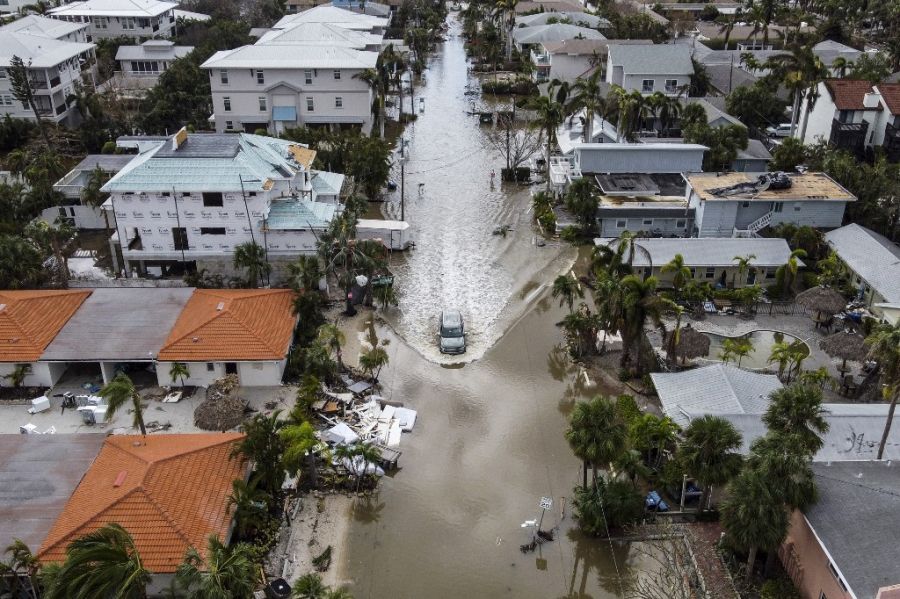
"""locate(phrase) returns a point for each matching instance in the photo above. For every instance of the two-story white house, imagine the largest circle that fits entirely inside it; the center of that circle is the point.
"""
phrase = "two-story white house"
(333, 15)
(277, 86)
(650, 68)
(185, 202)
(137, 19)
(743, 204)
(56, 63)
(853, 115)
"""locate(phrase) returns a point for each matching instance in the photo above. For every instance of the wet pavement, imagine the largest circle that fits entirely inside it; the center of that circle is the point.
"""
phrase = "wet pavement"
(489, 442)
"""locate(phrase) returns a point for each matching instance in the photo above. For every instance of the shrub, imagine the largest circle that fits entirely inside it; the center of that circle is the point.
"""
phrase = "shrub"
(778, 588)
(607, 506)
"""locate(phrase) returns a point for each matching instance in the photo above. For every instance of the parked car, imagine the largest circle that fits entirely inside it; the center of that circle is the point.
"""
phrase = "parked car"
(782, 130)
(452, 333)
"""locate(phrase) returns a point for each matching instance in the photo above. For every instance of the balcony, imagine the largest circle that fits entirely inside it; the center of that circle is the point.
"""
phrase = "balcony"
(849, 136)
(892, 142)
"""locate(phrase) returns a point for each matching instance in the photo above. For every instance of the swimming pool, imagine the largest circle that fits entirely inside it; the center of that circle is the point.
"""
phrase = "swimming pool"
(762, 341)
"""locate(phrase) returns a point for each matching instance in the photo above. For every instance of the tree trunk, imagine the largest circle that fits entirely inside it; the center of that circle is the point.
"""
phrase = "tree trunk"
(795, 113)
(584, 470)
(771, 556)
(805, 123)
(704, 498)
(887, 424)
(751, 561)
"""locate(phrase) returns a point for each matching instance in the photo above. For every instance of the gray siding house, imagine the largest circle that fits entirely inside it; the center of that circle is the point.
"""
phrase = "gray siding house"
(738, 205)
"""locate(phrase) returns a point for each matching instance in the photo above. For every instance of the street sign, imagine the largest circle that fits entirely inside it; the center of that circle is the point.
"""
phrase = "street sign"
(546, 503)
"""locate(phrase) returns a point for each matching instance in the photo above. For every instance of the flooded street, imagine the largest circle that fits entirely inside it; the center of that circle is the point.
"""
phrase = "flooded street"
(453, 211)
(488, 443)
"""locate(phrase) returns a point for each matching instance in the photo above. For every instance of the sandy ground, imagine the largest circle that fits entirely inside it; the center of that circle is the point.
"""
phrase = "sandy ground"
(320, 520)
(179, 416)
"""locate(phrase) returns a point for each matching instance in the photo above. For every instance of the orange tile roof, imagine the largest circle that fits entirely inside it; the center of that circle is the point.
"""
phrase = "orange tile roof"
(891, 94)
(172, 494)
(232, 325)
(29, 320)
(849, 94)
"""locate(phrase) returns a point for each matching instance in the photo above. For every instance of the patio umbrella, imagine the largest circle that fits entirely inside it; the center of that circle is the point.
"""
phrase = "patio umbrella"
(691, 343)
(846, 346)
(821, 299)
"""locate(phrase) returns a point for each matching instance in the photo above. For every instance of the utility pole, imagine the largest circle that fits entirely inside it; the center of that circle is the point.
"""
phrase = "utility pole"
(402, 178)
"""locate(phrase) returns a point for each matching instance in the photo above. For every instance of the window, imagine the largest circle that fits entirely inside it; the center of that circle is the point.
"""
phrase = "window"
(7, 100)
(2, 74)
(223, 77)
(680, 224)
(179, 238)
(128, 23)
(621, 224)
(671, 86)
(693, 272)
(210, 367)
(745, 204)
(307, 77)
(770, 273)
(845, 116)
(647, 222)
(212, 230)
(710, 272)
(262, 103)
(310, 106)
(229, 125)
(226, 102)
(798, 206)
(260, 76)
(837, 576)
(338, 102)
(212, 200)
(777, 206)
(337, 74)
(647, 86)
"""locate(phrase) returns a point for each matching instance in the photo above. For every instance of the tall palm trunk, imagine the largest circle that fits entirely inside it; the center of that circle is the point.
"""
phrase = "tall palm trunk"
(887, 424)
(795, 112)
(751, 560)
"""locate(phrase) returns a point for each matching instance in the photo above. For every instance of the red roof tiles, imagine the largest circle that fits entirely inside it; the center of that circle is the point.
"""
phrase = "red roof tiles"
(29, 320)
(232, 324)
(849, 94)
(891, 94)
(169, 491)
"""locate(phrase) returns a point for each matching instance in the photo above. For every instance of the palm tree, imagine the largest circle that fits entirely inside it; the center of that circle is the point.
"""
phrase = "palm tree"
(376, 84)
(800, 71)
(331, 336)
(92, 194)
(365, 455)
(373, 360)
(639, 303)
(299, 439)
(305, 273)
(262, 446)
(103, 563)
(250, 256)
(179, 370)
(386, 296)
(587, 96)
(566, 288)
(550, 114)
(596, 434)
(709, 452)
(631, 464)
(224, 572)
(796, 411)
(781, 353)
(310, 586)
(682, 272)
(784, 460)
(249, 505)
(119, 392)
(788, 271)
(884, 348)
(653, 436)
(753, 516)
(736, 348)
(743, 264)
(841, 64)
(22, 563)
(506, 10)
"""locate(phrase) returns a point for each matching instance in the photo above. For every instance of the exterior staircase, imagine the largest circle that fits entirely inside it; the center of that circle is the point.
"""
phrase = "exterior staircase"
(755, 227)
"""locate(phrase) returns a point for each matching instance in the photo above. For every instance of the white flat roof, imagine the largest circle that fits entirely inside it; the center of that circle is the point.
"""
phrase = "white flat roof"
(114, 8)
(38, 51)
(291, 57)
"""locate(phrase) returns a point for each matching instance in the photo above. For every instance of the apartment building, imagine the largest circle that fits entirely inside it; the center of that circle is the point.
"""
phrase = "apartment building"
(57, 57)
(278, 86)
(106, 19)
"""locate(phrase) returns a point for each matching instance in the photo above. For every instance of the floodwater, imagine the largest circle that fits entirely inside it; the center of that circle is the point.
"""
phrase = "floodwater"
(488, 443)
(453, 210)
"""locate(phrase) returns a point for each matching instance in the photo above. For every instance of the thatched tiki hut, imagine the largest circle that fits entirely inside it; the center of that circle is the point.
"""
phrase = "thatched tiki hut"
(845, 345)
(689, 344)
(824, 301)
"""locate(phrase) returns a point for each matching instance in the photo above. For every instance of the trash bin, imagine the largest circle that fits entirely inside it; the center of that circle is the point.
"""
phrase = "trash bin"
(278, 589)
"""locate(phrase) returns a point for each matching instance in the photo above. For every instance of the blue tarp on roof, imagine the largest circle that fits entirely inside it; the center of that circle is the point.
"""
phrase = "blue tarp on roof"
(284, 113)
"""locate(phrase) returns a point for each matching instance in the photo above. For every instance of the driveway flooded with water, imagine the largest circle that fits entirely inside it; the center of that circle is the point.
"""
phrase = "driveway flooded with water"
(489, 441)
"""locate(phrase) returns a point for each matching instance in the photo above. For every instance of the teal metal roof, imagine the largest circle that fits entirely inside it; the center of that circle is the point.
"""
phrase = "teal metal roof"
(291, 214)
(324, 182)
(209, 162)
